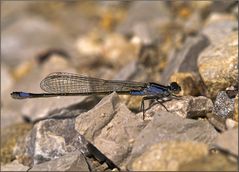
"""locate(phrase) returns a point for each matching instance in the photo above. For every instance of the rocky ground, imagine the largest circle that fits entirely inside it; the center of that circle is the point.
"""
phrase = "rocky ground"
(194, 43)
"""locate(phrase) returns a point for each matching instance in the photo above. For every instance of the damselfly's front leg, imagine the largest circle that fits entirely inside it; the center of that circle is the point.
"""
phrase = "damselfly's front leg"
(157, 98)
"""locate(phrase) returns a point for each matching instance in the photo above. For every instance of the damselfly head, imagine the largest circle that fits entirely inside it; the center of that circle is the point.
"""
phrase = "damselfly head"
(174, 87)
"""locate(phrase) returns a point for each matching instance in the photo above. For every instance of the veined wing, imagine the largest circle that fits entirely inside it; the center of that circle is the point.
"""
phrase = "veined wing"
(61, 82)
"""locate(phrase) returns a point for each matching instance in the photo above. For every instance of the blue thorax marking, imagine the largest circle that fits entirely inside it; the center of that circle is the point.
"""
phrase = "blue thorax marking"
(156, 89)
(23, 94)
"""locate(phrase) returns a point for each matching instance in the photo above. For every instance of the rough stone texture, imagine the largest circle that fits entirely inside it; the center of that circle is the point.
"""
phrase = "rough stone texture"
(185, 60)
(224, 105)
(217, 121)
(70, 162)
(167, 127)
(53, 138)
(168, 156)
(47, 140)
(235, 115)
(218, 65)
(186, 107)
(14, 166)
(214, 162)
(111, 127)
(10, 136)
(228, 141)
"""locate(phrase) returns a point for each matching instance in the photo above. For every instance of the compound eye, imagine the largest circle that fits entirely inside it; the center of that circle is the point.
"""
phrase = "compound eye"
(175, 87)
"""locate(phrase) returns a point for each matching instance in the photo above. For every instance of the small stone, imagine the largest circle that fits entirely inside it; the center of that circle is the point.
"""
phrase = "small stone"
(168, 156)
(218, 65)
(217, 121)
(235, 115)
(230, 123)
(186, 107)
(224, 105)
(110, 48)
(228, 141)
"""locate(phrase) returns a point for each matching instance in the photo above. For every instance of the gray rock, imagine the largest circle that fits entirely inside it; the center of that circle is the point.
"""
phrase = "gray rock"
(14, 166)
(224, 105)
(185, 60)
(150, 13)
(218, 65)
(186, 107)
(70, 162)
(170, 127)
(28, 37)
(111, 127)
(217, 121)
(228, 141)
(56, 137)
(219, 26)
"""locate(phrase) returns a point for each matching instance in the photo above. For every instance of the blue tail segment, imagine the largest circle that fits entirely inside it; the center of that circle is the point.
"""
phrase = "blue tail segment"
(137, 93)
(20, 95)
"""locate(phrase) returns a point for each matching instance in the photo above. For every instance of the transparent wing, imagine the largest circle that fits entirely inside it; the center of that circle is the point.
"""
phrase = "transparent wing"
(61, 82)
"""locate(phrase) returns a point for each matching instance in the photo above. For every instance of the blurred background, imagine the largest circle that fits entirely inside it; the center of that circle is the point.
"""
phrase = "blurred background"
(126, 40)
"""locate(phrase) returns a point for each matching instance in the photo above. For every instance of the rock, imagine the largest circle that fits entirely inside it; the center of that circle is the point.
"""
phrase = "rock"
(187, 82)
(151, 13)
(214, 162)
(230, 123)
(224, 105)
(48, 140)
(170, 127)
(28, 37)
(74, 161)
(111, 127)
(223, 6)
(228, 141)
(14, 166)
(10, 137)
(235, 115)
(219, 26)
(217, 121)
(54, 138)
(185, 60)
(186, 107)
(110, 48)
(167, 156)
(218, 65)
